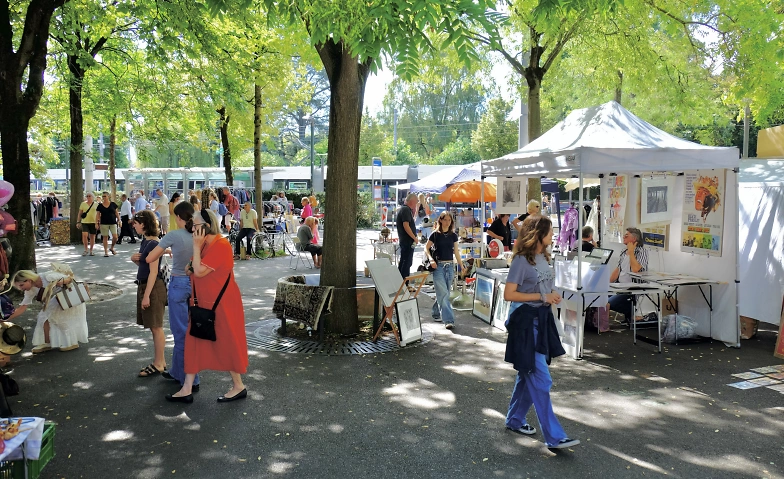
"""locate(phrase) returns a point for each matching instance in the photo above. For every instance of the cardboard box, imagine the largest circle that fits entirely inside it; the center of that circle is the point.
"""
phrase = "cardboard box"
(748, 327)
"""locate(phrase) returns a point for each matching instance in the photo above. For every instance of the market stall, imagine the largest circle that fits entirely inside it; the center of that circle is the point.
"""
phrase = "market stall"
(689, 194)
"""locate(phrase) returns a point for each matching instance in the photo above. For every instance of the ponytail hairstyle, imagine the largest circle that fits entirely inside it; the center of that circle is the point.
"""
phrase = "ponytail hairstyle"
(184, 210)
(532, 233)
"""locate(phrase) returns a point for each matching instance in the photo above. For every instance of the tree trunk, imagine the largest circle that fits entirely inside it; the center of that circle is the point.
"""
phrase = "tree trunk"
(619, 88)
(16, 170)
(21, 87)
(224, 133)
(257, 105)
(77, 142)
(112, 166)
(534, 76)
(347, 79)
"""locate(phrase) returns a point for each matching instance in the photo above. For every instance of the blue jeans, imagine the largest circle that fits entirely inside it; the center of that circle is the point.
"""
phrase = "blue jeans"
(442, 280)
(406, 259)
(179, 294)
(533, 389)
(622, 303)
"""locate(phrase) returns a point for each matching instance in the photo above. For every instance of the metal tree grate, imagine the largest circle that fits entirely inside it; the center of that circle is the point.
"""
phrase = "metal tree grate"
(263, 335)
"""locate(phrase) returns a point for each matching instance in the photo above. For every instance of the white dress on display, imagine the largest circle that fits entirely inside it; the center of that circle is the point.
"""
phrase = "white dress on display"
(67, 327)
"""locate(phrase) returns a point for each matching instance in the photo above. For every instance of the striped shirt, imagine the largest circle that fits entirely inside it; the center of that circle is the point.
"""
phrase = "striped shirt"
(624, 264)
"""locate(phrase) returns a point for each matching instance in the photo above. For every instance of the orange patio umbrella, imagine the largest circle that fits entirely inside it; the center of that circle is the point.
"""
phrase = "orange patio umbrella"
(468, 192)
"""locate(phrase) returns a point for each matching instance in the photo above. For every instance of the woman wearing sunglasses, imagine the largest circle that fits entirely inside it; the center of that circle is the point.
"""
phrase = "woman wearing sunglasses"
(442, 251)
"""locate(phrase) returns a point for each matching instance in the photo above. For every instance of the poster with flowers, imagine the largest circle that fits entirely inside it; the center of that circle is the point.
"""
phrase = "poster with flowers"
(617, 190)
(703, 212)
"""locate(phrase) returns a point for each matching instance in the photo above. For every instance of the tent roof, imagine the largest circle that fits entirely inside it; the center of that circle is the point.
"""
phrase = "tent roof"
(437, 182)
(608, 139)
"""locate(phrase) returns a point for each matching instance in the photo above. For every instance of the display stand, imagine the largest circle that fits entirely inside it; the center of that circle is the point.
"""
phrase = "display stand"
(391, 288)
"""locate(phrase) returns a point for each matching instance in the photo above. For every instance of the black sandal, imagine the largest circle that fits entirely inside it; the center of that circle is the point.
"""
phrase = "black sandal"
(149, 370)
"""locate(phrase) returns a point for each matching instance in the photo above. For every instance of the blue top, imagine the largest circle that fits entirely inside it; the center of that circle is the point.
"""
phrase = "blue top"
(181, 244)
(444, 244)
(531, 279)
(143, 273)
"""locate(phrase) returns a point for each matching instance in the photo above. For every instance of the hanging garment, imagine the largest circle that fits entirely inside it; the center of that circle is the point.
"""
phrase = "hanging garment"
(593, 218)
(567, 238)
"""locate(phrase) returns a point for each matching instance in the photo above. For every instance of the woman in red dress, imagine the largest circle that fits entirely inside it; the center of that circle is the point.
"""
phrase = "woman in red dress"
(213, 263)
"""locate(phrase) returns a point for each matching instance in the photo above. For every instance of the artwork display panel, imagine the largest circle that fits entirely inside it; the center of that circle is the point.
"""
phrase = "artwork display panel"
(484, 293)
(703, 212)
(511, 196)
(616, 190)
(656, 203)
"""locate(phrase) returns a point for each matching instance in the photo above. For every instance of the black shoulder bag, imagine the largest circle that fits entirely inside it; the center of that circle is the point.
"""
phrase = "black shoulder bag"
(84, 215)
(203, 320)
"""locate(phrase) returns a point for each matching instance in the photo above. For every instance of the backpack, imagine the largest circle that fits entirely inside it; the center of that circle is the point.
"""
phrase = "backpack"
(222, 210)
(421, 213)
(6, 306)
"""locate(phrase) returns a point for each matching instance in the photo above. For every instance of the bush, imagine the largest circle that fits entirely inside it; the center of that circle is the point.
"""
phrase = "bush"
(367, 213)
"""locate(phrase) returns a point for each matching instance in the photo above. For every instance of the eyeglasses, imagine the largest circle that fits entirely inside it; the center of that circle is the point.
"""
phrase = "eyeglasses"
(138, 217)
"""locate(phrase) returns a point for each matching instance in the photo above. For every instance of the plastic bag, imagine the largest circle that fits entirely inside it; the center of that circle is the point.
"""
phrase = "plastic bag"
(683, 325)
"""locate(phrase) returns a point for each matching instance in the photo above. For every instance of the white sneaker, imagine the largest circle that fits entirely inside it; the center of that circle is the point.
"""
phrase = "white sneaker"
(449, 325)
(41, 348)
(564, 443)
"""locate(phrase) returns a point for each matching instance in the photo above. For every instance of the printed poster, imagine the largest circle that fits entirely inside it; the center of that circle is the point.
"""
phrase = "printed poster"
(617, 191)
(703, 212)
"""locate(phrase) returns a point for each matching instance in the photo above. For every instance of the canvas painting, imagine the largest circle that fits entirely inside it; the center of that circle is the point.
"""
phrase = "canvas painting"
(484, 289)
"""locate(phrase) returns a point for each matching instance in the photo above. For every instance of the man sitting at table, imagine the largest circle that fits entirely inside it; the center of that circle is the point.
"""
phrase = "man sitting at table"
(633, 260)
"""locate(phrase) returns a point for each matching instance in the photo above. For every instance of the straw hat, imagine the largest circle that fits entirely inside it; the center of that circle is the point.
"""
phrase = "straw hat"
(12, 338)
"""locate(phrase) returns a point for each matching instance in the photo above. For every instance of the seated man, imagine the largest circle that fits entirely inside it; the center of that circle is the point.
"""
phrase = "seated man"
(588, 243)
(633, 260)
(305, 235)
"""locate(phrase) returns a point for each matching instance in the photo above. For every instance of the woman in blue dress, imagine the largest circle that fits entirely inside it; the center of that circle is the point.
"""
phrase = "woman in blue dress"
(533, 337)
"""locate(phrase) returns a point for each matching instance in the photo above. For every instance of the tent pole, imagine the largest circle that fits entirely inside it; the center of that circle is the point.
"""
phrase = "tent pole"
(482, 205)
(737, 261)
(580, 234)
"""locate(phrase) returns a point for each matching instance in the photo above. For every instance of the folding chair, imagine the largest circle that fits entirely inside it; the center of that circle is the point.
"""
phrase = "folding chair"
(296, 253)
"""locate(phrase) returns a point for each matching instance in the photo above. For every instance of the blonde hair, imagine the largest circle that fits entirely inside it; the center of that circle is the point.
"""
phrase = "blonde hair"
(214, 224)
(305, 199)
(422, 198)
(533, 204)
(24, 275)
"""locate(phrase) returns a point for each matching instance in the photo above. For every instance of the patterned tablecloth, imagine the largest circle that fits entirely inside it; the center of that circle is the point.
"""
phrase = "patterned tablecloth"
(32, 432)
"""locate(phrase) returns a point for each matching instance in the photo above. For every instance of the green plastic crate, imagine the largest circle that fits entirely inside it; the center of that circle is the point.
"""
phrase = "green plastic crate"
(16, 469)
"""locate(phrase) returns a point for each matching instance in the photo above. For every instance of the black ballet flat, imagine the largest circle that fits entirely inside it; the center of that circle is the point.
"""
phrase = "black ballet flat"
(184, 399)
(240, 395)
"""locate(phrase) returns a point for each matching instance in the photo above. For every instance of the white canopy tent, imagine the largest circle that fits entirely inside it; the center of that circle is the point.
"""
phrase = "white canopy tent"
(607, 139)
(761, 241)
(438, 182)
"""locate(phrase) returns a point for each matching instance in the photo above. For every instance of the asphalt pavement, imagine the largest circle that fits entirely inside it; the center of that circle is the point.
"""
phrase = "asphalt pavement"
(431, 411)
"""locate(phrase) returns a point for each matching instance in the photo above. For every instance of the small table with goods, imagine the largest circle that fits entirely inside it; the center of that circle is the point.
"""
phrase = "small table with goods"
(27, 446)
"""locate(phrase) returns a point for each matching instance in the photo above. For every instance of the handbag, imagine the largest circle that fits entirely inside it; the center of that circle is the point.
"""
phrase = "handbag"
(164, 272)
(84, 215)
(203, 320)
(73, 295)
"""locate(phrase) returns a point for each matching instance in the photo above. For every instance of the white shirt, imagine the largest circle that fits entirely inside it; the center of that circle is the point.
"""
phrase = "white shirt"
(214, 206)
(162, 205)
(247, 217)
(125, 208)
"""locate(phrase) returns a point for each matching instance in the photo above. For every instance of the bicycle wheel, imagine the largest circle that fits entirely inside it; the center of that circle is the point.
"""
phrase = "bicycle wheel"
(259, 246)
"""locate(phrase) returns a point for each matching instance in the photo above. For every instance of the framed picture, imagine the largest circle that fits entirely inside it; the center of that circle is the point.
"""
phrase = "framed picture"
(656, 200)
(484, 294)
(511, 196)
(408, 320)
(501, 308)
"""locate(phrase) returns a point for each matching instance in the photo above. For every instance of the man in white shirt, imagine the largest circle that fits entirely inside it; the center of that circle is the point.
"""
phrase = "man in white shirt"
(633, 260)
(125, 218)
(162, 209)
(249, 225)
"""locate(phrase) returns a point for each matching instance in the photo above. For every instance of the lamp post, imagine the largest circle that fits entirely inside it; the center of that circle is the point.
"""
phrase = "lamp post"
(309, 118)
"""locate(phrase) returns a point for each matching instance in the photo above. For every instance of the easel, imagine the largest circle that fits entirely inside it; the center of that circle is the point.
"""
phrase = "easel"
(386, 277)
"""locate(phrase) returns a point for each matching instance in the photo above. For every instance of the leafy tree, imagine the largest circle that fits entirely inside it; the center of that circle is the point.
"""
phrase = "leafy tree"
(441, 104)
(495, 136)
(24, 31)
(351, 38)
(459, 152)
